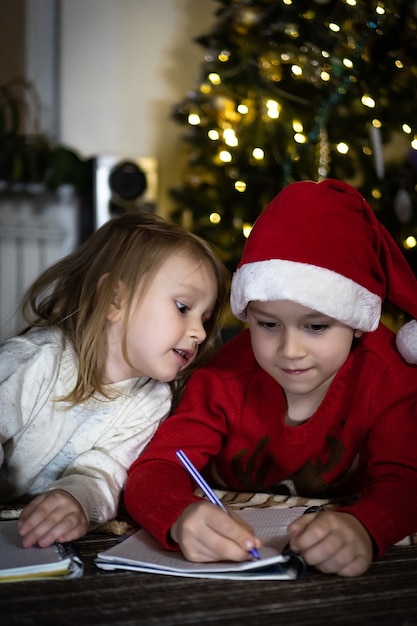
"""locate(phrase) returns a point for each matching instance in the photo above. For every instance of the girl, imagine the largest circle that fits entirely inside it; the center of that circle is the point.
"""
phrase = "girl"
(113, 330)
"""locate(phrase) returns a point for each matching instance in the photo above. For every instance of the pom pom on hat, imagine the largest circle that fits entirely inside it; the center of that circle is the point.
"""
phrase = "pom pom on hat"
(321, 245)
(407, 341)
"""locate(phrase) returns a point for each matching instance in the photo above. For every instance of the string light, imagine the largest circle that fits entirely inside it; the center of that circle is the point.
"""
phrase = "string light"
(240, 186)
(300, 138)
(224, 110)
(194, 119)
(224, 56)
(342, 147)
(230, 138)
(273, 109)
(410, 242)
(214, 78)
(215, 218)
(246, 229)
(368, 101)
(334, 27)
(258, 154)
(213, 134)
(225, 156)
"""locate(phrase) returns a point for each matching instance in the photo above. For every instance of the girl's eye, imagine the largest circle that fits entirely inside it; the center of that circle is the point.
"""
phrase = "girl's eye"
(182, 308)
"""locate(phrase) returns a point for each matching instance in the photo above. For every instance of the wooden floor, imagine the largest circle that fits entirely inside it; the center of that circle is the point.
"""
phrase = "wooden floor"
(386, 595)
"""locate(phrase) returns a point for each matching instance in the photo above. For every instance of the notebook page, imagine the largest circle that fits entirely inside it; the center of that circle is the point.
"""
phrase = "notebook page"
(17, 560)
(269, 524)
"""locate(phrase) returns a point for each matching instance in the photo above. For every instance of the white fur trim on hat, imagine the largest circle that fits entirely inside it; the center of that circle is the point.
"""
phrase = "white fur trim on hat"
(315, 287)
(407, 341)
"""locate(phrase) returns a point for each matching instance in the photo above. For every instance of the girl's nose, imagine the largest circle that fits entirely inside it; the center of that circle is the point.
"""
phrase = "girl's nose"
(197, 331)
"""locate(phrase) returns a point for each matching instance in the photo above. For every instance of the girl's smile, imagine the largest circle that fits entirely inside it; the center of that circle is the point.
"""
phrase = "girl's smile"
(166, 325)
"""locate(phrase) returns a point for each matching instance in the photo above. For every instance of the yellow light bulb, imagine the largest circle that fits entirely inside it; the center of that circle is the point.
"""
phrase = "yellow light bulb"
(410, 242)
(213, 134)
(342, 147)
(300, 138)
(215, 218)
(240, 185)
(368, 101)
(246, 229)
(225, 156)
(258, 154)
(214, 78)
(334, 27)
(194, 119)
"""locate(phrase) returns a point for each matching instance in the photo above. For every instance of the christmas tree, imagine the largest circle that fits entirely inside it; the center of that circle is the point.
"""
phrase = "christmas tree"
(301, 89)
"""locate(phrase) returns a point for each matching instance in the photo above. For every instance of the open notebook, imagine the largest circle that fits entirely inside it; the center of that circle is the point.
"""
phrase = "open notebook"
(17, 563)
(141, 552)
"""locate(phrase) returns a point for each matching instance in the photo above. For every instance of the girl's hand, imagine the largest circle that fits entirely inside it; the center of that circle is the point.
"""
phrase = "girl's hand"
(52, 516)
(333, 542)
(206, 533)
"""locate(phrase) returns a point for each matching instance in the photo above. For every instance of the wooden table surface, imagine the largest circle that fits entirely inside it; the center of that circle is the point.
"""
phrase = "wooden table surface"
(385, 595)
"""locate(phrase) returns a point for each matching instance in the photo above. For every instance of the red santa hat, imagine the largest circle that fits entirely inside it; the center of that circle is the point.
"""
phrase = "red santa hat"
(321, 245)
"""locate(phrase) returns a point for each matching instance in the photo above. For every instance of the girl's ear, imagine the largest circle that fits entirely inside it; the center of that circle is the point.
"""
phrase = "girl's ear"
(358, 333)
(114, 312)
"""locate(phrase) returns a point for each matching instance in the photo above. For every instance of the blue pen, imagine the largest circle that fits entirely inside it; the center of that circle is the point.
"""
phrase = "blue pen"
(208, 492)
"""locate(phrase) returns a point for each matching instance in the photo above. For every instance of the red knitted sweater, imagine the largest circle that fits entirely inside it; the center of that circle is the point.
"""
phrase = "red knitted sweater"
(362, 440)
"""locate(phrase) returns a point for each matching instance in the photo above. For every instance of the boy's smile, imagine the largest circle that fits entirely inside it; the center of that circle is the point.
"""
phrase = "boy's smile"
(300, 348)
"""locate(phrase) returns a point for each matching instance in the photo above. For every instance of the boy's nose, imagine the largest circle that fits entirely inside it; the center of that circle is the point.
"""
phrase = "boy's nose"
(292, 346)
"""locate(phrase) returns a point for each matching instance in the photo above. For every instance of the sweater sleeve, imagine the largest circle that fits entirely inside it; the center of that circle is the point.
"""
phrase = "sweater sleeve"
(158, 488)
(27, 378)
(387, 505)
(97, 476)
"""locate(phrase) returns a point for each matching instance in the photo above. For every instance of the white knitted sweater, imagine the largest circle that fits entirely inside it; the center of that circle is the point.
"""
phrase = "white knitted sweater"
(85, 450)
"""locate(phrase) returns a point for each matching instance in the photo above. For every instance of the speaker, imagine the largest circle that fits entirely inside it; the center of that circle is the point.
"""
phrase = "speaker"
(123, 184)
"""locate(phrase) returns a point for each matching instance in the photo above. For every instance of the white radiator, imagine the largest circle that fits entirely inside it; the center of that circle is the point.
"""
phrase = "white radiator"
(34, 233)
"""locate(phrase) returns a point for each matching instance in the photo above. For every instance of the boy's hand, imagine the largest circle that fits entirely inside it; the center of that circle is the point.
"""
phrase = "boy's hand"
(333, 542)
(52, 516)
(206, 533)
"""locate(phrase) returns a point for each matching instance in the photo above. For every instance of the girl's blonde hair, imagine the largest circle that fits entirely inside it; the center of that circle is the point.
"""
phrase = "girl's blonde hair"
(75, 293)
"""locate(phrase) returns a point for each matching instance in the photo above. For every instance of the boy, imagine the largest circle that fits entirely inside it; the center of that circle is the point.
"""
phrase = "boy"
(314, 399)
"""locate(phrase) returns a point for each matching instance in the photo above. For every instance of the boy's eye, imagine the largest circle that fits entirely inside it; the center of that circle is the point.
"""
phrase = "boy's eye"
(317, 328)
(267, 324)
(182, 308)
